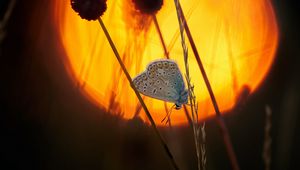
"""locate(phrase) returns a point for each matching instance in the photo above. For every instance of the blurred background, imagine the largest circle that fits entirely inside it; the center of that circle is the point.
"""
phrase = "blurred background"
(47, 123)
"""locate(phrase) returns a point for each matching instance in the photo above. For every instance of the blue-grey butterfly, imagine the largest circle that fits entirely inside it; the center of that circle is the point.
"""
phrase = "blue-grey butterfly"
(163, 80)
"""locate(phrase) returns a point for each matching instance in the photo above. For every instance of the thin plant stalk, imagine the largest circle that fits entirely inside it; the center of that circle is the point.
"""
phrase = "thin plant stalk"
(220, 120)
(176, 35)
(160, 36)
(192, 97)
(168, 57)
(138, 109)
(167, 150)
(203, 146)
(268, 139)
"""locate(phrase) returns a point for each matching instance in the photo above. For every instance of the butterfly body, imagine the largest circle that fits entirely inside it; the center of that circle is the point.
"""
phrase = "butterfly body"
(182, 99)
(163, 80)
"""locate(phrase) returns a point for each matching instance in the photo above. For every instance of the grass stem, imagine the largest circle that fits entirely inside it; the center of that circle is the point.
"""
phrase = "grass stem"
(267, 155)
(160, 36)
(220, 120)
(192, 97)
(167, 150)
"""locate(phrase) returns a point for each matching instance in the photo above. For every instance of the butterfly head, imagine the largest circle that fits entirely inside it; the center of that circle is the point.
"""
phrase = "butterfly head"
(177, 106)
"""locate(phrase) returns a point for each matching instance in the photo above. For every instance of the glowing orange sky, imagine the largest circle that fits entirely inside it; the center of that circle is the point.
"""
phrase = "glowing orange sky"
(236, 40)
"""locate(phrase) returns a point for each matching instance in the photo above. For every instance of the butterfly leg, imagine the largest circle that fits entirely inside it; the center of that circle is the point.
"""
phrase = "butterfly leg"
(167, 117)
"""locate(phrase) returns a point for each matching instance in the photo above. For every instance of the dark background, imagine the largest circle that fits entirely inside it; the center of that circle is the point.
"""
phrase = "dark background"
(47, 124)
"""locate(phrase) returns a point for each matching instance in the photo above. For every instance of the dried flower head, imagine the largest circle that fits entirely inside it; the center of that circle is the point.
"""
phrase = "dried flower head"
(89, 9)
(148, 6)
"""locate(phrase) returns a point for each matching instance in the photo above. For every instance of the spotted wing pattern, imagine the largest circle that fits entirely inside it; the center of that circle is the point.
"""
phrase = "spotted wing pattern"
(162, 80)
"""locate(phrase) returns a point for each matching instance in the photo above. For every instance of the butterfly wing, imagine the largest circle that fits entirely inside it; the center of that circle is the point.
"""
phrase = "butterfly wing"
(167, 70)
(162, 80)
(155, 88)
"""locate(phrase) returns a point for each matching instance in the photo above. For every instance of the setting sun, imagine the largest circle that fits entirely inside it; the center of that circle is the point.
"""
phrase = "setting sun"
(236, 41)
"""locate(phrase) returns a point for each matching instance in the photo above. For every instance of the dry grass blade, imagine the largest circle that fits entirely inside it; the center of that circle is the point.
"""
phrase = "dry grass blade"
(192, 97)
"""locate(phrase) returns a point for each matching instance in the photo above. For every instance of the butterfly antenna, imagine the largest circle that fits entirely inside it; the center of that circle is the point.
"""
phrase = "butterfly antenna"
(168, 115)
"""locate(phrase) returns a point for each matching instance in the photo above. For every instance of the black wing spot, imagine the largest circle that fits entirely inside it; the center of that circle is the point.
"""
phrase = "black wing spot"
(145, 87)
(154, 91)
(151, 68)
(160, 88)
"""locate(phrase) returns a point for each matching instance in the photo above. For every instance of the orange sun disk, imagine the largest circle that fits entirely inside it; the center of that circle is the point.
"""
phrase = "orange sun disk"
(236, 41)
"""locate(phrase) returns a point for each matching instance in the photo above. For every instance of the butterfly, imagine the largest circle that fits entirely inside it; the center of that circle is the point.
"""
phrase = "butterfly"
(163, 80)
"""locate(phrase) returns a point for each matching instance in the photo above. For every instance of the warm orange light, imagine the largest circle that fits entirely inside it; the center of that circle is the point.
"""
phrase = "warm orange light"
(236, 40)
